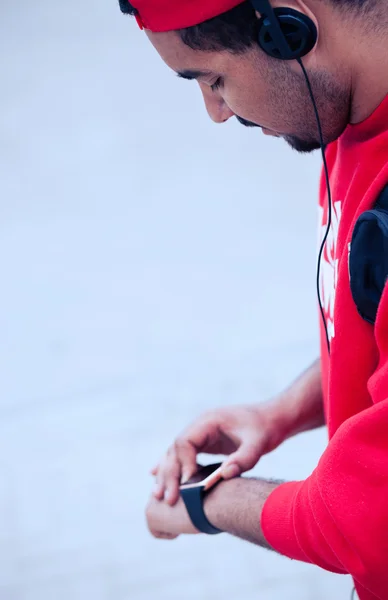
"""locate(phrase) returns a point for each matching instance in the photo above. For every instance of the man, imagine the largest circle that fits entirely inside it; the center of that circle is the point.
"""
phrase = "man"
(338, 517)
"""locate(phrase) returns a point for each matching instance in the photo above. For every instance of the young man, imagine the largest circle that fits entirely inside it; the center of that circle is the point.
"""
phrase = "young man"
(338, 517)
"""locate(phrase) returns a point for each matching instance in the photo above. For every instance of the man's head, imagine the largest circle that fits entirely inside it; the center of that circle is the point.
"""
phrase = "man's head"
(238, 79)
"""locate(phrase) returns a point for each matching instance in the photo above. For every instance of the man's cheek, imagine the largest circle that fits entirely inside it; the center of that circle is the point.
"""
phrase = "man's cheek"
(241, 104)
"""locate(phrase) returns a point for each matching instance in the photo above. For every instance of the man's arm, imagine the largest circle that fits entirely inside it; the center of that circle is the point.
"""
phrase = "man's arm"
(245, 433)
(300, 407)
(235, 507)
(337, 518)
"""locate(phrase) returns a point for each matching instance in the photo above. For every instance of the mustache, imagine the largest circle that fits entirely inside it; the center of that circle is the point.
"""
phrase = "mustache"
(246, 123)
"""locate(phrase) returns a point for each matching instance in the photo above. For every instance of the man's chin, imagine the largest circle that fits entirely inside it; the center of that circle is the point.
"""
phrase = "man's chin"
(300, 145)
(296, 143)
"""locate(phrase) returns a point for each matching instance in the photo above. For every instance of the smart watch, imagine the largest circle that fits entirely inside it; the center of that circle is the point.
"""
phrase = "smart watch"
(193, 493)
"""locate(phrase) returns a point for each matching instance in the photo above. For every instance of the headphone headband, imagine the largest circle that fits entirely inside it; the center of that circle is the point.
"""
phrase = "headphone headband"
(266, 11)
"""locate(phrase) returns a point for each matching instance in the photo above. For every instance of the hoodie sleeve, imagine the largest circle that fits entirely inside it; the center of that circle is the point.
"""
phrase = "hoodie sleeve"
(338, 517)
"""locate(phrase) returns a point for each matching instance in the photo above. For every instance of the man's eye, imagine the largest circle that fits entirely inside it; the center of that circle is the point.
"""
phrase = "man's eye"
(217, 84)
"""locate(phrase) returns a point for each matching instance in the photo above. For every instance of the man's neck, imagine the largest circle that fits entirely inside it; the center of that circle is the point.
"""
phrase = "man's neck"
(369, 75)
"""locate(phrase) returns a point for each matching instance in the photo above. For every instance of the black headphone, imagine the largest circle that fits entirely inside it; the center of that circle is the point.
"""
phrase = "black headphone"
(288, 34)
(284, 33)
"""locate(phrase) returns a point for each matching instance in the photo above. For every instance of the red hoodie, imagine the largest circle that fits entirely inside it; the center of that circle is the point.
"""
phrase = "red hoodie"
(338, 517)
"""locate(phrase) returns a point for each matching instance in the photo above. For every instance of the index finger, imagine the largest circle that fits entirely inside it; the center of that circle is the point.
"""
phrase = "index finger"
(190, 443)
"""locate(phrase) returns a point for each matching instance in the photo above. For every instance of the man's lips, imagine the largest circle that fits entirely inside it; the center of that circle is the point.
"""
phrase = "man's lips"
(251, 124)
(269, 132)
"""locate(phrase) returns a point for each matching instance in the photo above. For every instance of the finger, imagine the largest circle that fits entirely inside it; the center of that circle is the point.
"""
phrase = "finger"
(181, 458)
(172, 477)
(160, 486)
(155, 469)
(158, 491)
(186, 453)
(164, 536)
(194, 440)
(244, 459)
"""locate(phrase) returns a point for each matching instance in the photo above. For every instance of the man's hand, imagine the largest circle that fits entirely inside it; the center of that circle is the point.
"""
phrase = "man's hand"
(168, 522)
(243, 433)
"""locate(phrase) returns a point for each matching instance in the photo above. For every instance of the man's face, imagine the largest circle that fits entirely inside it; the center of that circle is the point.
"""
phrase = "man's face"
(260, 91)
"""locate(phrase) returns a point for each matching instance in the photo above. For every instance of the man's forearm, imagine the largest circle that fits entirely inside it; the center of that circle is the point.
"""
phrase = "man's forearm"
(235, 507)
(300, 407)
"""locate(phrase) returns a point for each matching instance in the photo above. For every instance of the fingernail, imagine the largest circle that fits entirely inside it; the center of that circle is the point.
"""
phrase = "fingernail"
(231, 471)
(185, 477)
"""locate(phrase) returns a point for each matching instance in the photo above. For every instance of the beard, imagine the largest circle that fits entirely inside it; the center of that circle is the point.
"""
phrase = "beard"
(298, 144)
(302, 146)
(333, 104)
(289, 97)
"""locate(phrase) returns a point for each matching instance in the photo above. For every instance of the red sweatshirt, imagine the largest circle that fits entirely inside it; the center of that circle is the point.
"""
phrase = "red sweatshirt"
(338, 517)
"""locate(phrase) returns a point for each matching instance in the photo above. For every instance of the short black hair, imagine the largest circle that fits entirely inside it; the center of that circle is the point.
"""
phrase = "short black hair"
(235, 30)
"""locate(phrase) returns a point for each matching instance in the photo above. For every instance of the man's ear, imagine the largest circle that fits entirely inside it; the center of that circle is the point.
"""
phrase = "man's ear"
(299, 6)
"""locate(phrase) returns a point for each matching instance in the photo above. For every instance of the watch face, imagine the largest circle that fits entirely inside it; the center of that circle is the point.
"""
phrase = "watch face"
(205, 477)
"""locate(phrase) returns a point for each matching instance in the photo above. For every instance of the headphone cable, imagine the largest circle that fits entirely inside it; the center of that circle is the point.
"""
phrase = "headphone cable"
(329, 199)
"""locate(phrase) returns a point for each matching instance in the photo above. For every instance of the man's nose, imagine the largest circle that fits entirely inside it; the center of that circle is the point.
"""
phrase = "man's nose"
(217, 109)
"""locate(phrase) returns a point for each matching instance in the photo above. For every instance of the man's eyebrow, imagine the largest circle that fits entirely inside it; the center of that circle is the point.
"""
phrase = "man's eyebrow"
(192, 74)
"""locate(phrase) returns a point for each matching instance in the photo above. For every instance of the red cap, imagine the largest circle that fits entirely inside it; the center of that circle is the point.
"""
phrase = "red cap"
(166, 15)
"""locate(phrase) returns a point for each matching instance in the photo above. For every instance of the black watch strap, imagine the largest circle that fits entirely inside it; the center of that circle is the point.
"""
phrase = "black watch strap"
(193, 499)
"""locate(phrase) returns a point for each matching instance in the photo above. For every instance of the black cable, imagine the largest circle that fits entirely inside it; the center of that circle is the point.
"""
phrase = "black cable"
(328, 195)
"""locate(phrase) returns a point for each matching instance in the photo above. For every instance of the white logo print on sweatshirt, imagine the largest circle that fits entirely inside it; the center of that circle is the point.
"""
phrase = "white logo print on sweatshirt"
(329, 265)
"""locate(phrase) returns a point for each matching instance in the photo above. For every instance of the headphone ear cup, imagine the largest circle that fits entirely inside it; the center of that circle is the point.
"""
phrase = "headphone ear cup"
(298, 30)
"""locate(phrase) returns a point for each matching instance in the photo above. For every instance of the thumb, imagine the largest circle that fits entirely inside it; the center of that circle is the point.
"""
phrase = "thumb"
(244, 459)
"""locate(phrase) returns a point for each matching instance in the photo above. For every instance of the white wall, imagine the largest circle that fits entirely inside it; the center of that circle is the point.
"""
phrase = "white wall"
(152, 265)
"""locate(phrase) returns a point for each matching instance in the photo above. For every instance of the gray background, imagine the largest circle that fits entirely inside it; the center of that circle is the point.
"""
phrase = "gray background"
(152, 265)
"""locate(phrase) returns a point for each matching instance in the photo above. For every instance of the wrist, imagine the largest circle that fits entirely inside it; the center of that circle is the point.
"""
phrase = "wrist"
(287, 414)
(300, 407)
(235, 506)
(280, 416)
(213, 503)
